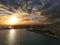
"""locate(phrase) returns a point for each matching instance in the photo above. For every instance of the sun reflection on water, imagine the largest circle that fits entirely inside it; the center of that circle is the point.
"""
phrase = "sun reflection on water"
(11, 36)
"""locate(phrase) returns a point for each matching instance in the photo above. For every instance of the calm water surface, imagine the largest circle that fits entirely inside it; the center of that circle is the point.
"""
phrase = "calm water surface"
(24, 37)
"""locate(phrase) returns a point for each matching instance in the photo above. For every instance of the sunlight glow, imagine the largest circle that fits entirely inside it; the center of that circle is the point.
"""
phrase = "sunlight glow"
(13, 20)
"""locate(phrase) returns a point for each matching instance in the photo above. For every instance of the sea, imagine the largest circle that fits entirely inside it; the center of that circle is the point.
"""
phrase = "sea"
(25, 37)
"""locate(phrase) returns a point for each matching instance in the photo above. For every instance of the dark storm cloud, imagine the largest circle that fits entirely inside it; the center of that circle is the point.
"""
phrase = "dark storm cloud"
(46, 6)
(51, 8)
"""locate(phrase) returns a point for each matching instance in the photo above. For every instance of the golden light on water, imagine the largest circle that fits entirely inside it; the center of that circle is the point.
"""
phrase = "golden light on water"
(11, 36)
(12, 31)
(13, 20)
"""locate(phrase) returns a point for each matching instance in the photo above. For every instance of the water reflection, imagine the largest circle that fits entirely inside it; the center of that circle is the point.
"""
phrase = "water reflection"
(11, 36)
(24, 37)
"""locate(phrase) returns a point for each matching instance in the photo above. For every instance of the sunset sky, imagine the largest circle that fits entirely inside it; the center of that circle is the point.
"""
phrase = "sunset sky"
(45, 15)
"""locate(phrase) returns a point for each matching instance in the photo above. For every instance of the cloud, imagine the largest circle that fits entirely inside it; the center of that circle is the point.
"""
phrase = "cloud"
(42, 10)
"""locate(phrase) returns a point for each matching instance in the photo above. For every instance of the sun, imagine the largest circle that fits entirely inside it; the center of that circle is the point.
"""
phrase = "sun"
(13, 20)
